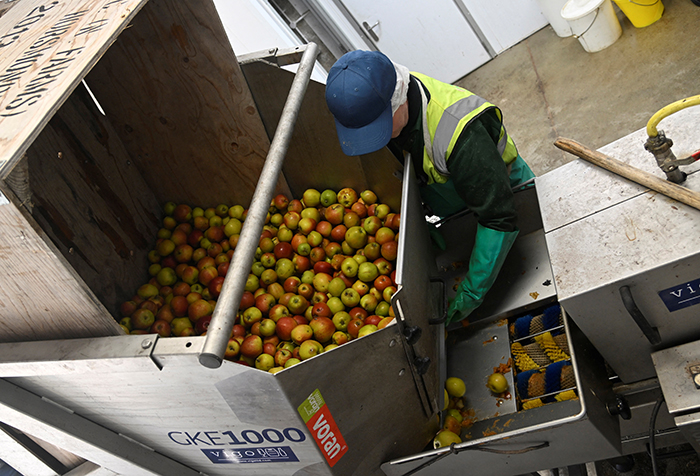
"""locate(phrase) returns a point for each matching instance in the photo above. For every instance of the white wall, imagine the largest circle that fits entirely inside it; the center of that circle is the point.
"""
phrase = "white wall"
(252, 25)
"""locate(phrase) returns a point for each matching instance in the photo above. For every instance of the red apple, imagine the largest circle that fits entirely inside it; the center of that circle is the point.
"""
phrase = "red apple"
(354, 327)
(202, 325)
(215, 286)
(284, 327)
(321, 309)
(160, 327)
(338, 233)
(334, 214)
(281, 202)
(264, 302)
(323, 328)
(283, 250)
(142, 318)
(282, 356)
(199, 309)
(182, 213)
(300, 319)
(323, 267)
(252, 346)
(232, 349)
(324, 228)
(373, 319)
(247, 300)
(278, 311)
(306, 290)
(358, 313)
(390, 250)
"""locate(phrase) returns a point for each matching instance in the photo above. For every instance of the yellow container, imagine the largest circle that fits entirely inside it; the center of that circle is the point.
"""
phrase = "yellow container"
(641, 12)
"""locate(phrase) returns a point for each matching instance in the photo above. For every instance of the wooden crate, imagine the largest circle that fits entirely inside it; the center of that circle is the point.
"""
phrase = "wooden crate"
(81, 191)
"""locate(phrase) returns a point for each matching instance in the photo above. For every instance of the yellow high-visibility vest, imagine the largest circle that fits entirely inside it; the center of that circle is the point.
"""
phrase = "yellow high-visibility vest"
(448, 112)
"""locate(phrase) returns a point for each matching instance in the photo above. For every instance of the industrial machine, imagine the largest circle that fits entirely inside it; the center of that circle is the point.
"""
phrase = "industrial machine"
(146, 104)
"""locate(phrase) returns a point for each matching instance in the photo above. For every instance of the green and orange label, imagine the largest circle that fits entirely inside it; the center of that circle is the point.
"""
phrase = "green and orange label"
(322, 426)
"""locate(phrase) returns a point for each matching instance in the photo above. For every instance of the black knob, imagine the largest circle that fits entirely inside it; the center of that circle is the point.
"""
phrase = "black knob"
(422, 364)
(620, 407)
(412, 334)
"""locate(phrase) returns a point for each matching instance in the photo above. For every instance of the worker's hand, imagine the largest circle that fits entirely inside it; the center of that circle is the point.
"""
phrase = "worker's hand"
(490, 250)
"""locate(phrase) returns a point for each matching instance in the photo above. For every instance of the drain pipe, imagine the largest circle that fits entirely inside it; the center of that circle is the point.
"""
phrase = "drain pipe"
(224, 316)
(660, 145)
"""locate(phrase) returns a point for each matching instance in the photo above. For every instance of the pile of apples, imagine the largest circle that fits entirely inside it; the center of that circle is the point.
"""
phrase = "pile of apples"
(323, 274)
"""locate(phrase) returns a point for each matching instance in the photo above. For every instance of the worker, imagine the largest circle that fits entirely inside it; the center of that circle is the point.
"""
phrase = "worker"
(462, 154)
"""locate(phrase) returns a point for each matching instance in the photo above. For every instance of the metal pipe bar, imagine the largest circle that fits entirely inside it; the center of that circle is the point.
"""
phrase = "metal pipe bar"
(224, 316)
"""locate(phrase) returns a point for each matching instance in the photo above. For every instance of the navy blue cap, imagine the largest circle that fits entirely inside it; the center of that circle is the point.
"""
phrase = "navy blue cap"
(358, 93)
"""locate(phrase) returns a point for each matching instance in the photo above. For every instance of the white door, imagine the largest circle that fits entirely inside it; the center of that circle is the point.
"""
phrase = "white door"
(506, 22)
(432, 38)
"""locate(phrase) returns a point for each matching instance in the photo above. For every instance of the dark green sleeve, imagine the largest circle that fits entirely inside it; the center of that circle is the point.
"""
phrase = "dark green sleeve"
(480, 175)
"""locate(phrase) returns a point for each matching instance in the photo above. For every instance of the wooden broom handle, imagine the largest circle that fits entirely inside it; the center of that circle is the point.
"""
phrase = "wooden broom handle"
(653, 182)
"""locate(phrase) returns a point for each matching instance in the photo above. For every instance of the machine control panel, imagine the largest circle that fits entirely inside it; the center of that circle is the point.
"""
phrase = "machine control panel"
(695, 373)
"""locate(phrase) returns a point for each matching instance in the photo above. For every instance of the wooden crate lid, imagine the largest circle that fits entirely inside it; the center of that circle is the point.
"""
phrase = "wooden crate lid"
(46, 48)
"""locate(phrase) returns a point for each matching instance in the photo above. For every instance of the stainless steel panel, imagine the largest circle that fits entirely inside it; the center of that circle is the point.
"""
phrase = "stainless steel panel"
(68, 430)
(634, 432)
(579, 189)
(602, 316)
(689, 426)
(677, 368)
(644, 233)
(178, 408)
(415, 301)
(74, 355)
(473, 354)
(604, 232)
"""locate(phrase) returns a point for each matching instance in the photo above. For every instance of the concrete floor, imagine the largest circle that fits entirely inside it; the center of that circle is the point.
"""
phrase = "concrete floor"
(549, 87)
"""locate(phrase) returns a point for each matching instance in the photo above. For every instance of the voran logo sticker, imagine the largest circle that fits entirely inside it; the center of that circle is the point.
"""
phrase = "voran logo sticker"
(323, 428)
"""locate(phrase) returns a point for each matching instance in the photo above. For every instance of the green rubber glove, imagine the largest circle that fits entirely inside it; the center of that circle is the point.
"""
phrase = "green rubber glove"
(489, 253)
(436, 237)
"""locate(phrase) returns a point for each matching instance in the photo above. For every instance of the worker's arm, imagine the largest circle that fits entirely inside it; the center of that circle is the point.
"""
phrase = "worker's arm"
(481, 179)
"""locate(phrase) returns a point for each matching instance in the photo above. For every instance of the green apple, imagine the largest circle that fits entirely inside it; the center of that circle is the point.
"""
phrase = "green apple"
(356, 237)
(336, 287)
(369, 197)
(349, 267)
(236, 212)
(328, 198)
(291, 362)
(169, 208)
(311, 197)
(309, 348)
(350, 297)
(369, 303)
(341, 320)
(335, 304)
(264, 362)
(367, 272)
(367, 329)
(307, 276)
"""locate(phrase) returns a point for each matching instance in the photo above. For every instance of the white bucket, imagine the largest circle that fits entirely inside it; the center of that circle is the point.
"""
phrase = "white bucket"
(551, 9)
(593, 22)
